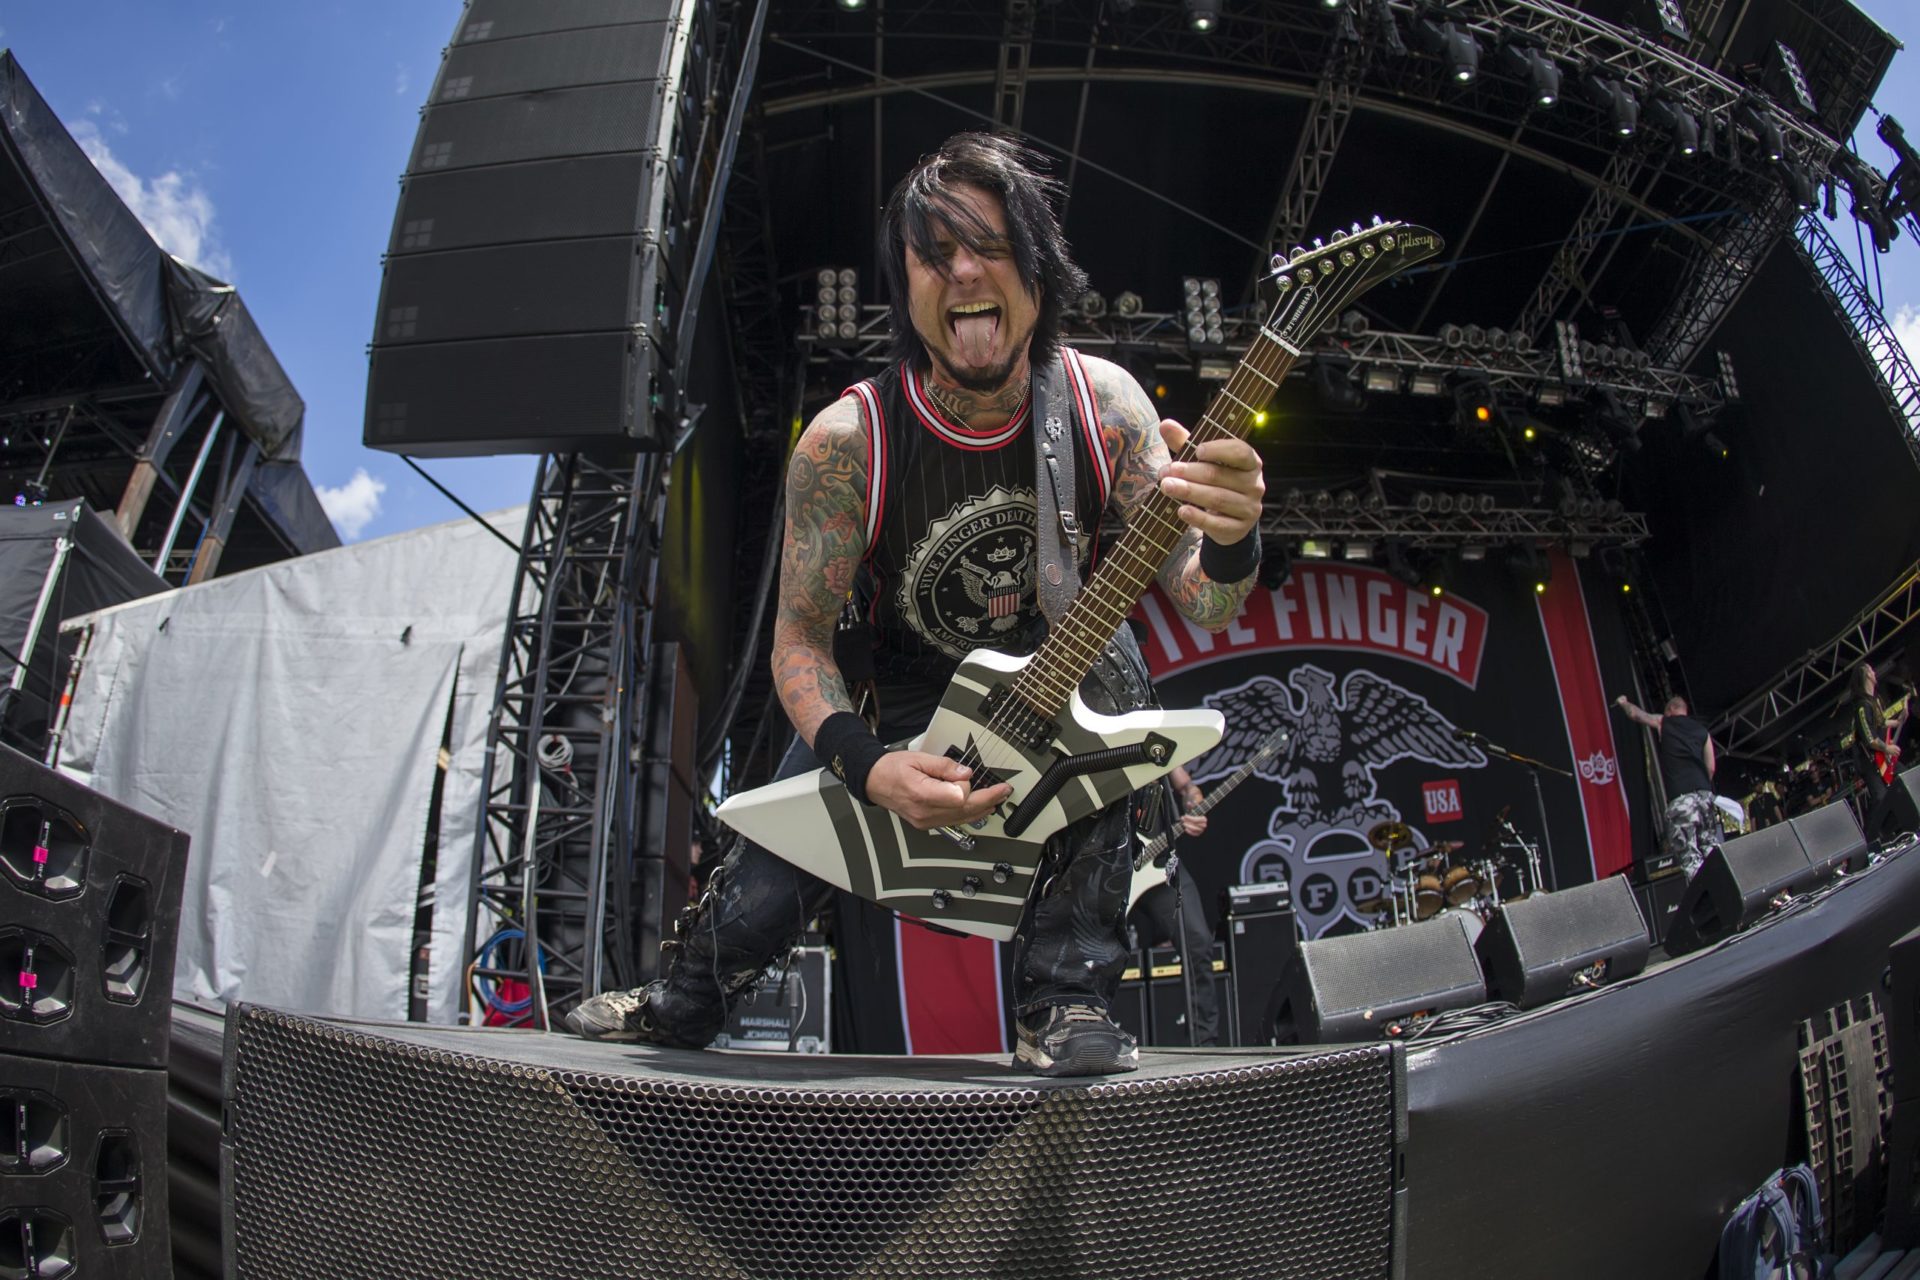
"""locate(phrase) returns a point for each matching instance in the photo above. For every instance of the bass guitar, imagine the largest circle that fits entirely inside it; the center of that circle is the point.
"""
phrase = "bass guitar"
(1020, 720)
(1151, 865)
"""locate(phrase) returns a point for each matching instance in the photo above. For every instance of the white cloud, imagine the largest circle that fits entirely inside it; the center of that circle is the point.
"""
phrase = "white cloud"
(354, 504)
(1906, 327)
(399, 79)
(174, 207)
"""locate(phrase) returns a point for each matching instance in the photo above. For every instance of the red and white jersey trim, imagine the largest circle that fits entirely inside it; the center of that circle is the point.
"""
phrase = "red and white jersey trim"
(952, 433)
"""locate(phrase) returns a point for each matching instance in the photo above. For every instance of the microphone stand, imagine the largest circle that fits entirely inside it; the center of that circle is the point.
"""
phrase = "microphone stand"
(1533, 768)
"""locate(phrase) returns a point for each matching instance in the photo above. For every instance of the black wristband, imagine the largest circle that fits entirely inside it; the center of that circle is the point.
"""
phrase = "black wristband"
(849, 750)
(1230, 562)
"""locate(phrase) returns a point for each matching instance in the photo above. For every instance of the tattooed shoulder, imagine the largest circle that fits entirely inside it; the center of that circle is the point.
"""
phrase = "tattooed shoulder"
(1129, 427)
(826, 511)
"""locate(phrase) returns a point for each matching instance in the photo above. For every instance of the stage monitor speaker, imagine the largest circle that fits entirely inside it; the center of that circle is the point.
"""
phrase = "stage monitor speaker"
(1831, 835)
(1532, 951)
(83, 1174)
(1736, 884)
(1260, 949)
(1350, 988)
(1903, 806)
(517, 310)
(89, 915)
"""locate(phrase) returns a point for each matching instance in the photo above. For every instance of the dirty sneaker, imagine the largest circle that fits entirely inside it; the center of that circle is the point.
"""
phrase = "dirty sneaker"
(619, 1016)
(1073, 1040)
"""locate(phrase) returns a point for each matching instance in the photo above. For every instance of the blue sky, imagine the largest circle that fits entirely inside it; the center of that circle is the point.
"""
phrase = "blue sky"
(265, 141)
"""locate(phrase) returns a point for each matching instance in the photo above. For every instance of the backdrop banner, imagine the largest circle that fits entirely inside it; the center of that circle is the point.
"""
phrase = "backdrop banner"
(1393, 700)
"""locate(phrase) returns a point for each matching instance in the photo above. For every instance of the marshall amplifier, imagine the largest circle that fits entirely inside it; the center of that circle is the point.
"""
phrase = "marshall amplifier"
(1261, 939)
(788, 1009)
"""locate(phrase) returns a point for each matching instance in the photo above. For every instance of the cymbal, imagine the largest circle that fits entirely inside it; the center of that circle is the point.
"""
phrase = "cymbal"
(1386, 836)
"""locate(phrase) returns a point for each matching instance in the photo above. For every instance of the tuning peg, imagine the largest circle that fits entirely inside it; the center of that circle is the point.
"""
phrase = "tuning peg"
(1278, 262)
(1376, 219)
(1316, 242)
(1299, 252)
(1354, 230)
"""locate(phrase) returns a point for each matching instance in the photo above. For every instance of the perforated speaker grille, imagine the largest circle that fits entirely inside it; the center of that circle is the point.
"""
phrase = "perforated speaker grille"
(354, 1153)
(1392, 967)
(1829, 832)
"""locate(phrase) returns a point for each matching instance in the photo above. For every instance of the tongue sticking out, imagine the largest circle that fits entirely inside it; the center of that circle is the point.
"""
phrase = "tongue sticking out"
(974, 336)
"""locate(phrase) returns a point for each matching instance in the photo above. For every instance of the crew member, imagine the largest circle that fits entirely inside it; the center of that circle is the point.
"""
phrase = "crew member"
(1686, 766)
(1873, 743)
(1174, 913)
(916, 491)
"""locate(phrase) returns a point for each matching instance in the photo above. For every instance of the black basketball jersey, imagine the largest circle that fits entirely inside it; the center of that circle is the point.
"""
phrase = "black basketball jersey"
(951, 555)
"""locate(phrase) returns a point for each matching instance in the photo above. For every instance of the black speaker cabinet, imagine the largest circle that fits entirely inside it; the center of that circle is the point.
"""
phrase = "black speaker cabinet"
(1167, 996)
(89, 912)
(1350, 988)
(1659, 898)
(1532, 950)
(1736, 883)
(1903, 806)
(83, 1173)
(1260, 948)
(1831, 837)
(517, 308)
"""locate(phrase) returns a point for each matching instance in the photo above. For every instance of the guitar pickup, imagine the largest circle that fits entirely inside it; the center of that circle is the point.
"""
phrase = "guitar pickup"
(1154, 749)
(1013, 720)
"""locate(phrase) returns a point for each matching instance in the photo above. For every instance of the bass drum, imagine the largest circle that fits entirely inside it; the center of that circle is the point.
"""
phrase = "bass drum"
(1467, 917)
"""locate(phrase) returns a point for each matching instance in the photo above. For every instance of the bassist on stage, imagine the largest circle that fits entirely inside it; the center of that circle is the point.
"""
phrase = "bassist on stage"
(915, 493)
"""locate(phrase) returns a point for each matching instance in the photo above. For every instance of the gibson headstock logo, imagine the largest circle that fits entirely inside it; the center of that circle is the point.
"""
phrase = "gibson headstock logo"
(1409, 243)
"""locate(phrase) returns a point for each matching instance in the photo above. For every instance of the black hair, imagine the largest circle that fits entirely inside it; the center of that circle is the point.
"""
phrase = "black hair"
(923, 209)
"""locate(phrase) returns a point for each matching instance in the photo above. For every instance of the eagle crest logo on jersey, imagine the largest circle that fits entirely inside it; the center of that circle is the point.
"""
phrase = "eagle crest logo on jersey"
(970, 578)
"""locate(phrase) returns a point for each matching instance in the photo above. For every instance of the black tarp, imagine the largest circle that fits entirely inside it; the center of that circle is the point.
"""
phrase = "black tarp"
(100, 570)
(165, 310)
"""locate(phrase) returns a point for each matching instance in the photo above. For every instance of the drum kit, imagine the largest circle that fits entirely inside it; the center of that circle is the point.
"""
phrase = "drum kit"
(1448, 879)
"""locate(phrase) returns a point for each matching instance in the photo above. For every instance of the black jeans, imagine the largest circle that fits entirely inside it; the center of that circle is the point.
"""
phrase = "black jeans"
(1070, 946)
(1157, 921)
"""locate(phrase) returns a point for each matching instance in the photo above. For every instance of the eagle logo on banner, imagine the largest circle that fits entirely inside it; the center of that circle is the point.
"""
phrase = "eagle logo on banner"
(1341, 734)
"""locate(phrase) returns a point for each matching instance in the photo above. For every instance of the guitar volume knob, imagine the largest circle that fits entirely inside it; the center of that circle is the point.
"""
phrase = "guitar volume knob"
(1002, 872)
(970, 886)
(941, 899)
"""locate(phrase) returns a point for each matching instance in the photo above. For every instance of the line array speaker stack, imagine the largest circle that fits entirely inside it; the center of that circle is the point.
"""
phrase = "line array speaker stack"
(1551, 944)
(89, 910)
(524, 298)
(1739, 881)
(1353, 987)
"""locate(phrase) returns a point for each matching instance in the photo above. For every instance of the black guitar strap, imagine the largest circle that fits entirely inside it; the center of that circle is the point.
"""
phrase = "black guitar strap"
(1057, 530)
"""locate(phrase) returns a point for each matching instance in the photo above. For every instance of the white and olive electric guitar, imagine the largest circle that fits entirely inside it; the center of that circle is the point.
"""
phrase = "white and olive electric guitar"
(1020, 720)
(1150, 865)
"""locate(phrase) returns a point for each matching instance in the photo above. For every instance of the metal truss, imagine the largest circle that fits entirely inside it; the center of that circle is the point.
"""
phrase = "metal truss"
(552, 877)
(1765, 719)
(1716, 279)
(1891, 363)
(1522, 373)
(1567, 270)
(1010, 76)
(1320, 137)
(1433, 529)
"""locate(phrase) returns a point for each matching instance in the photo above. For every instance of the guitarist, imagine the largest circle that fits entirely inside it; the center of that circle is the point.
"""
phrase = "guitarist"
(1158, 918)
(1874, 754)
(916, 494)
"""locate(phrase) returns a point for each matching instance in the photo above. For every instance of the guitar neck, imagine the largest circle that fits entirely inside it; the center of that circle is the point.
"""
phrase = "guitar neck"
(1161, 843)
(1153, 531)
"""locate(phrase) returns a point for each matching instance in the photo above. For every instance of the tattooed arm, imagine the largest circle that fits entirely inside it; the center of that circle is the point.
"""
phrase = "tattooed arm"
(1218, 495)
(826, 516)
(826, 528)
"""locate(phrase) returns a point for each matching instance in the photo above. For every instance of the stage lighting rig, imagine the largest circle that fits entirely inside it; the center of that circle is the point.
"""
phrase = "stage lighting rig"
(1523, 59)
(1127, 303)
(1800, 182)
(1092, 304)
(1796, 79)
(1671, 18)
(1680, 123)
(1380, 18)
(1203, 15)
(1613, 97)
(1754, 112)
(1450, 42)
(836, 309)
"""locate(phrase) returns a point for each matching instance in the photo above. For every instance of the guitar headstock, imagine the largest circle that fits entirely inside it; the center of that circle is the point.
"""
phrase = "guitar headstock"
(1272, 744)
(1316, 284)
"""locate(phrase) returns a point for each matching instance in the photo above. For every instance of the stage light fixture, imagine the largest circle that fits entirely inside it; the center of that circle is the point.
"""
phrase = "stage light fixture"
(1800, 182)
(1452, 336)
(1381, 377)
(1206, 330)
(1357, 549)
(1678, 122)
(1672, 19)
(1568, 338)
(1425, 383)
(1452, 43)
(1203, 15)
(1830, 208)
(1795, 77)
(1615, 98)
(1476, 338)
(1092, 304)
(1729, 383)
(1128, 303)
(1423, 502)
(1316, 549)
(836, 309)
(1499, 340)
(1523, 59)
(1550, 395)
(1754, 113)
(852, 6)
(1380, 17)
(1473, 552)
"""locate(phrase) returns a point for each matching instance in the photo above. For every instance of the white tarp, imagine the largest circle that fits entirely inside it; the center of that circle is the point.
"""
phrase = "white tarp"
(289, 719)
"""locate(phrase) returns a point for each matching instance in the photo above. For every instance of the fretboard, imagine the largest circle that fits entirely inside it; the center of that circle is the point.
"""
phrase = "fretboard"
(1153, 530)
(1161, 843)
